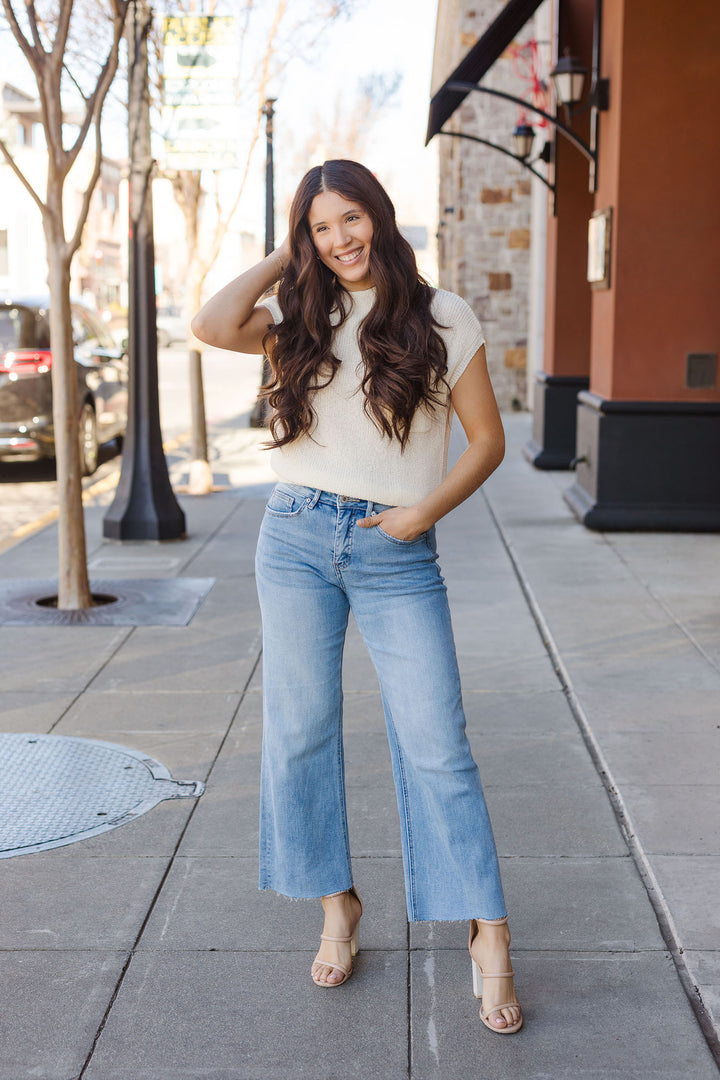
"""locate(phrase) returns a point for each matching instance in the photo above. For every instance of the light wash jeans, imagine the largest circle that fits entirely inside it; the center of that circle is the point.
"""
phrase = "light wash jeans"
(313, 566)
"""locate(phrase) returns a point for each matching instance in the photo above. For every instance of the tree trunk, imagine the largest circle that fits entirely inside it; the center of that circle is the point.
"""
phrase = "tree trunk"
(73, 584)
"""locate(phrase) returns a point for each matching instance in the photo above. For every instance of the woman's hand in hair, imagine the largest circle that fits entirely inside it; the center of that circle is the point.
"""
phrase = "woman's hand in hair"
(232, 318)
(400, 522)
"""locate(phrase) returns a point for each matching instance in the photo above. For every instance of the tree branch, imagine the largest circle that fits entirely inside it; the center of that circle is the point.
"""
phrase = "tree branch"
(74, 242)
(61, 34)
(31, 52)
(74, 81)
(94, 103)
(32, 16)
(21, 177)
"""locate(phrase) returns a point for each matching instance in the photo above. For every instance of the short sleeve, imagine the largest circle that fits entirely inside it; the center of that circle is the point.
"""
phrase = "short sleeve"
(461, 331)
(273, 305)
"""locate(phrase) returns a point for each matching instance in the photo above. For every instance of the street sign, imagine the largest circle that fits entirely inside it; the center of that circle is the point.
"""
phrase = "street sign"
(200, 61)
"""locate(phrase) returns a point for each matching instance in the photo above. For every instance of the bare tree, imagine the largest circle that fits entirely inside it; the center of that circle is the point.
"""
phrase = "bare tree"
(43, 33)
(345, 126)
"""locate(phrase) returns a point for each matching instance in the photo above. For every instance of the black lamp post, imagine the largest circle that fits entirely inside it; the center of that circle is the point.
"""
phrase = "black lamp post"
(268, 113)
(144, 507)
(260, 411)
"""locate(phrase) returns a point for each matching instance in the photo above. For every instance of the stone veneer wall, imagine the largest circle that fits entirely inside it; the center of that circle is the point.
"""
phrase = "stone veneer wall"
(485, 201)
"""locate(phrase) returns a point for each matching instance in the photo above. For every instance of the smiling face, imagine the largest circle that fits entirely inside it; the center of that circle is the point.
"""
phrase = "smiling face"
(342, 232)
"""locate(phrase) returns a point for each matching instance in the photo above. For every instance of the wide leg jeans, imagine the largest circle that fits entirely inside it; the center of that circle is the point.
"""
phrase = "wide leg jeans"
(314, 565)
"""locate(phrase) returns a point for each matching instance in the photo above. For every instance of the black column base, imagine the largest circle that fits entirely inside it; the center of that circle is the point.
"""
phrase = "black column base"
(552, 445)
(646, 465)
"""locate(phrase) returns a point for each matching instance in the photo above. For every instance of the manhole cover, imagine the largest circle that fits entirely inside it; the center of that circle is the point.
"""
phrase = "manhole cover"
(57, 789)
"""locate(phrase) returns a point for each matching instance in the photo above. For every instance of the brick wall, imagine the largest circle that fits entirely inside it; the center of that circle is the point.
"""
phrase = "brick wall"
(484, 211)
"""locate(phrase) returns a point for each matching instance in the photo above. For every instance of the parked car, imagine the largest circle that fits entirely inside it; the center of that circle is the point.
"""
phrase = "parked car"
(26, 422)
(170, 326)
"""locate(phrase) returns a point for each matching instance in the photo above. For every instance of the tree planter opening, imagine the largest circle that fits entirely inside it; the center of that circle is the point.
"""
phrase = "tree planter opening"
(98, 600)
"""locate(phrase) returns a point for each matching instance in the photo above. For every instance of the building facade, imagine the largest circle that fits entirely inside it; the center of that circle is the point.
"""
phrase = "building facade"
(485, 231)
(627, 392)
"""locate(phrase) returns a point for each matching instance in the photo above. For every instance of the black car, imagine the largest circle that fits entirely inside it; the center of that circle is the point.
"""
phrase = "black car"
(26, 423)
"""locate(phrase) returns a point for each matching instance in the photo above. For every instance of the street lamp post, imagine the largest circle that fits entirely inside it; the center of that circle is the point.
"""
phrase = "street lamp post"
(268, 113)
(259, 413)
(144, 507)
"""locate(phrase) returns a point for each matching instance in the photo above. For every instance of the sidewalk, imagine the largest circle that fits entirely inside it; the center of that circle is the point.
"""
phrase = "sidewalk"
(591, 673)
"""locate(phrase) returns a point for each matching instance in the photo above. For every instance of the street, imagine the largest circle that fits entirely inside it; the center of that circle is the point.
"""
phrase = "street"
(27, 488)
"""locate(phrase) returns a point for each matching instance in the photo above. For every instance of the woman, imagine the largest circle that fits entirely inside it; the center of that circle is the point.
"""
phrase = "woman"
(368, 364)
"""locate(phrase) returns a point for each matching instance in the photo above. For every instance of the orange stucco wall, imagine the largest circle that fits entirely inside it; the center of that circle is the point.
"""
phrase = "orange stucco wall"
(567, 294)
(659, 170)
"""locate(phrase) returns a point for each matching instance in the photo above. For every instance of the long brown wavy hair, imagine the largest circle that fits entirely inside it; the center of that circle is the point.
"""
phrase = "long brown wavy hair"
(405, 359)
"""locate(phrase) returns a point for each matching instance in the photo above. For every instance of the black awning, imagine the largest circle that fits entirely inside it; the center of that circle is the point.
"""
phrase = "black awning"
(479, 60)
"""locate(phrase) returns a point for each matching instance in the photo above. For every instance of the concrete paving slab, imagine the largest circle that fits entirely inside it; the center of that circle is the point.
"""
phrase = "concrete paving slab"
(231, 550)
(92, 902)
(704, 970)
(505, 672)
(109, 558)
(165, 714)
(523, 760)
(215, 904)
(640, 708)
(695, 910)
(594, 1016)
(59, 659)
(39, 552)
(154, 834)
(676, 819)
(572, 903)
(373, 819)
(665, 660)
(358, 672)
(363, 712)
(672, 564)
(225, 822)
(53, 1003)
(518, 711)
(243, 1016)
(571, 819)
(183, 658)
(668, 757)
(29, 710)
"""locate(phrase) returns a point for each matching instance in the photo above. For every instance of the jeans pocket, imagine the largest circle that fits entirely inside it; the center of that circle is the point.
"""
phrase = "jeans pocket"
(285, 503)
(401, 543)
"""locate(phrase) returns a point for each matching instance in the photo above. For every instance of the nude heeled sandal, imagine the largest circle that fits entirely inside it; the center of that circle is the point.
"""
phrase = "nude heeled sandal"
(354, 940)
(479, 975)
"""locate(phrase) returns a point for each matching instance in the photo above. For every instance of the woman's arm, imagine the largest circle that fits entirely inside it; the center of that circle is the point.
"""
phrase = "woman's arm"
(230, 319)
(474, 402)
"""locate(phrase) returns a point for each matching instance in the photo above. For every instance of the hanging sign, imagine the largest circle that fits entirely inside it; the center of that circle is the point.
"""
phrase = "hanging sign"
(200, 116)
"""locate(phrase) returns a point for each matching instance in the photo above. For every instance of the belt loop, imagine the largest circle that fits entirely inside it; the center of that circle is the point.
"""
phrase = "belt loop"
(313, 500)
(369, 511)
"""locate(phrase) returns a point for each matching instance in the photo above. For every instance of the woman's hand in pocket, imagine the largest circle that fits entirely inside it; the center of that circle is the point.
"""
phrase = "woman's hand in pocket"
(400, 522)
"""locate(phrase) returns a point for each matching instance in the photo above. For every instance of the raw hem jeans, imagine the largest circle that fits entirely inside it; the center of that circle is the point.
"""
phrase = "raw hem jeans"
(313, 566)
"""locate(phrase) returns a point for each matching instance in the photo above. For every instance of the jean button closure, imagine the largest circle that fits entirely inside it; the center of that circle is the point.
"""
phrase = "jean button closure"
(343, 498)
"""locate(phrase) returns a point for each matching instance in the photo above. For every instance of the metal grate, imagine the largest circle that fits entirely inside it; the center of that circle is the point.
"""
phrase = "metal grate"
(140, 602)
(57, 789)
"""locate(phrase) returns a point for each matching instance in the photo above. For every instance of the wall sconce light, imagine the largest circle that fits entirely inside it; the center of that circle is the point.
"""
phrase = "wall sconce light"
(568, 78)
(523, 137)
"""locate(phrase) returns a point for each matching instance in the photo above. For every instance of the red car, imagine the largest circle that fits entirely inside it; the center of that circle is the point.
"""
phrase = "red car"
(26, 423)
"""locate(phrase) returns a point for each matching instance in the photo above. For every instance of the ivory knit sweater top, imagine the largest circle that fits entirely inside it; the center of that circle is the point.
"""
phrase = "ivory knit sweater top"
(346, 453)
